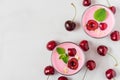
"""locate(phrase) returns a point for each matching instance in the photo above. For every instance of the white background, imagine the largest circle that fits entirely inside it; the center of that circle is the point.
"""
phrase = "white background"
(27, 25)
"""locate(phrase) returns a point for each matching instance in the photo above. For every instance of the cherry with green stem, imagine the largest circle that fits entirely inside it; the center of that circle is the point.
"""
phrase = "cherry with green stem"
(112, 8)
(70, 25)
(103, 50)
(91, 65)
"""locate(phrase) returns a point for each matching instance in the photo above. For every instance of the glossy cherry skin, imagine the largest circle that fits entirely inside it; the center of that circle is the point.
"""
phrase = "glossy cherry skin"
(49, 70)
(110, 73)
(84, 45)
(72, 52)
(91, 65)
(62, 78)
(103, 26)
(102, 50)
(86, 2)
(113, 9)
(115, 36)
(51, 45)
(70, 25)
(92, 25)
(73, 63)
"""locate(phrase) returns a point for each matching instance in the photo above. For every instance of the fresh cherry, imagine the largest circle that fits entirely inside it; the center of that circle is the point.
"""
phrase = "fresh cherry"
(86, 2)
(113, 9)
(91, 65)
(92, 25)
(72, 51)
(84, 45)
(73, 63)
(49, 70)
(70, 25)
(62, 78)
(110, 74)
(51, 45)
(103, 26)
(102, 50)
(115, 36)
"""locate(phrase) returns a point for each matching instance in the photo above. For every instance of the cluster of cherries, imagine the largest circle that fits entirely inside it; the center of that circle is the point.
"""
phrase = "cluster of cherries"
(92, 25)
(102, 50)
(70, 25)
(90, 64)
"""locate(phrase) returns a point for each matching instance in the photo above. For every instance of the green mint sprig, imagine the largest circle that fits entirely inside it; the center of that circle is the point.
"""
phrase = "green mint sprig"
(100, 14)
(63, 55)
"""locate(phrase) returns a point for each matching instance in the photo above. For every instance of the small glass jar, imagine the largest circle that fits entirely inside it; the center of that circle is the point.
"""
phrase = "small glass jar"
(62, 67)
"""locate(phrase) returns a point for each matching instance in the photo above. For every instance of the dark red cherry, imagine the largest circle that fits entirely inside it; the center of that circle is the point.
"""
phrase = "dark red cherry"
(72, 51)
(92, 25)
(115, 36)
(73, 64)
(113, 9)
(102, 50)
(91, 64)
(84, 45)
(51, 45)
(110, 74)
(49, 70)
(70, 25)
(103, 26)
(86, 2)
(62, 78)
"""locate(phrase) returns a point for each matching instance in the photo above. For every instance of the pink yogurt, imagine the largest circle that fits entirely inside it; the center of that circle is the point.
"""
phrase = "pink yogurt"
(60, 66)
(89, 14)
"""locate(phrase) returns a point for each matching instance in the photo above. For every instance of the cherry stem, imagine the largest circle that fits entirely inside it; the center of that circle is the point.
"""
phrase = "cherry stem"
(75, 11)
(114, 59)
(84, 74)
(108, 3)
(48, 77)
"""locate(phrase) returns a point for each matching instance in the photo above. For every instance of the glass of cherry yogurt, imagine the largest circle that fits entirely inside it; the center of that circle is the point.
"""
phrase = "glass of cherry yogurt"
(67, 58)
(98, 21)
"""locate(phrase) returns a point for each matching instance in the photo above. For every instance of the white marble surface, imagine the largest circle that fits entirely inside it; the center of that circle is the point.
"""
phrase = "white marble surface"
(27, 25)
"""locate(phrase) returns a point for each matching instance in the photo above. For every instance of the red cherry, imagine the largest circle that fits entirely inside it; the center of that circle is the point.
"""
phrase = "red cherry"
(110, 73)
(84, 45)
(92, 25)
(51, 45)
(86, 2)
(49, 70)
(91, 64)
(113, 9)
(62, 78)
(70, 25)
(103, 26)
(71, 51)
(102, 50)
(73, 63)
(115, 36)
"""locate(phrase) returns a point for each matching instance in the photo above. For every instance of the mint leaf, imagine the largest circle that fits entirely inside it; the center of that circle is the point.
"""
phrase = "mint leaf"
(64, 57)
(60, 50)
(100, 14)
